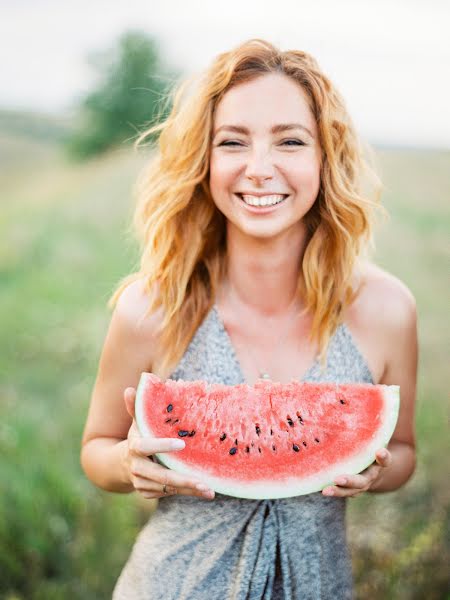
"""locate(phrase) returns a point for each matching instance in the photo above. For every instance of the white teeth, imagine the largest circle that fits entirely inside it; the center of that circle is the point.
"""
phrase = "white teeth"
(263, 200)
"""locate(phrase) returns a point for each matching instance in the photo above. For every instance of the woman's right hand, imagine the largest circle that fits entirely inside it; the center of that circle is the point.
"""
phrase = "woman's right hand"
(148, 477)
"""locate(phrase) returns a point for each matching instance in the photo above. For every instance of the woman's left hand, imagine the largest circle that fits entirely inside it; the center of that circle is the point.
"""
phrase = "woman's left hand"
(352, 485)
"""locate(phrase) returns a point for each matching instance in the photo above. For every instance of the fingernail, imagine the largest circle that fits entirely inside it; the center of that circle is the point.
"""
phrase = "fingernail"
(177, 444)
(341, 481)
(202, 487)
(383, 454)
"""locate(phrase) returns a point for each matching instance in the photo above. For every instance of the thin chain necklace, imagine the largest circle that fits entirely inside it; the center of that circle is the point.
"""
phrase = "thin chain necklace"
(264, 373)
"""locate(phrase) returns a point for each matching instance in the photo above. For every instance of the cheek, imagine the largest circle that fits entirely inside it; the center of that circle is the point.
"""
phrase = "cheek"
(307, 176)
(222, 172)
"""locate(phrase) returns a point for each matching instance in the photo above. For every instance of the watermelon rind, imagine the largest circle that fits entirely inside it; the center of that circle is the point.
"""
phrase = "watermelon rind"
(288, 488)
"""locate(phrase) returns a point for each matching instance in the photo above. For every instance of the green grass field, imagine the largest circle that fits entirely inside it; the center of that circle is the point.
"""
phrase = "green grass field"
(64, 245)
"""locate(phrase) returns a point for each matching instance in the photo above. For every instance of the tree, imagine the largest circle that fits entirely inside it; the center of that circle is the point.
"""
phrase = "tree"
(132, 85)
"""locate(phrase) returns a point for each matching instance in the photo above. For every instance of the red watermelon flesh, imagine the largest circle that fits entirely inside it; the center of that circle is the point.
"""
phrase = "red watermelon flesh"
(270, 440)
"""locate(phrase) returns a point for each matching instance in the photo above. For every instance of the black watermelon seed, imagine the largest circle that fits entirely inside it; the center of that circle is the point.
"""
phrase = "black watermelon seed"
(295, 447)
(192, 433)
(167, 420)
(247, 449)
(169, 408)
(304, 443)
(317, 440)
(233, 450)
(257, 429)
(183, 433)
(271, 432)
(259, 449)
(223, 436)
(341, 400)
(273, 447)
(176, 421)
(235, 441)
(290, 421)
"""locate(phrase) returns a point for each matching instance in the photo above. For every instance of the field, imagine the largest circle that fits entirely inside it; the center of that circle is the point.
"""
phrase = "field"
(65, 242)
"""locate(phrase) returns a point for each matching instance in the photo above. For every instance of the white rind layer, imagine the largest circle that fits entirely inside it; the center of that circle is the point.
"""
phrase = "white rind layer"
(289, 487)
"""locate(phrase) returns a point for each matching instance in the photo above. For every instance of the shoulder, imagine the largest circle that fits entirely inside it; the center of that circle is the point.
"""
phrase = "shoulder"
(383, 320)
(132, 311)
(384, 299)
(390, 308)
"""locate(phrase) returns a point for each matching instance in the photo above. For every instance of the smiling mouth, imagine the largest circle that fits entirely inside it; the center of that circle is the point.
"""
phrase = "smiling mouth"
(262, 201)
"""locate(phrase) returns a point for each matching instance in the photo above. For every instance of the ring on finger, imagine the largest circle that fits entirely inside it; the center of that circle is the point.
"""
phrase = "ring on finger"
(165, 491)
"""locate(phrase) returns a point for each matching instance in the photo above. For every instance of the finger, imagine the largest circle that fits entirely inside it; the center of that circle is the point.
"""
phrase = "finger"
(372, 472)
(361, 480)
(171, 478)
(357, 482)
(153, 472)
(383, 457)
(206, 495)
(148, 445)
(346, 485)
(342, 492)
(158, 495)
(129, 397)
(153, 495)
(144, 486)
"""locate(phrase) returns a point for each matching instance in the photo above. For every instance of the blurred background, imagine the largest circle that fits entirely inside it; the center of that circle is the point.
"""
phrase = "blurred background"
(79, 81)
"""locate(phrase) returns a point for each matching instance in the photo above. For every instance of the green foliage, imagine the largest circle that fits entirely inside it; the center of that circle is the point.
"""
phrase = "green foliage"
(54, 525)
(64, 249)
(131, 94)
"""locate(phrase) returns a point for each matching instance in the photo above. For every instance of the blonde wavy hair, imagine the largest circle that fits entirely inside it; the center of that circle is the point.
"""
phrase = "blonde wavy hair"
(183, 234)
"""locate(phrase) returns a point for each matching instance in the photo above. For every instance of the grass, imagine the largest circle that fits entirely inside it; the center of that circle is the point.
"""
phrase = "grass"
(65, 246)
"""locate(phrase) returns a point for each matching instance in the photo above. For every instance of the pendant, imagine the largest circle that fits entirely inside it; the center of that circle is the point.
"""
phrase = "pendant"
(264, 376)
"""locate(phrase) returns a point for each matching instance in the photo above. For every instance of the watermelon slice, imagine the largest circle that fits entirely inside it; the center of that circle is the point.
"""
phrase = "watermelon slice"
(270, 440)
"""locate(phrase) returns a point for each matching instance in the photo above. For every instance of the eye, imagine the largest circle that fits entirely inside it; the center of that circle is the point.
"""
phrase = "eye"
(230, 143)
(293, 142)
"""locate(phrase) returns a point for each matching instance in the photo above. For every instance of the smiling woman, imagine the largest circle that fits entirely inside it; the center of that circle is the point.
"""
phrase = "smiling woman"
(254, 232)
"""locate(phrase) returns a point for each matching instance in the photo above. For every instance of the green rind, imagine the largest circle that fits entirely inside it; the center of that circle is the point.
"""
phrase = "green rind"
(139, 406)
(289, 488)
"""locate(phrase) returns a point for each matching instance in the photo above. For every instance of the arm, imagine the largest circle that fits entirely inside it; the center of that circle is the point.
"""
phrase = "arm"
(401, 369)
(114, 456)
(127, 352)
(388, 473)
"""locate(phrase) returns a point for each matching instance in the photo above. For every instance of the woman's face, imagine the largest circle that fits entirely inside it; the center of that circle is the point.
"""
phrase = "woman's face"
(265, 156)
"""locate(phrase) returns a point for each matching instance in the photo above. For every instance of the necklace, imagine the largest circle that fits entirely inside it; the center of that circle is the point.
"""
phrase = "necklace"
(264, 373)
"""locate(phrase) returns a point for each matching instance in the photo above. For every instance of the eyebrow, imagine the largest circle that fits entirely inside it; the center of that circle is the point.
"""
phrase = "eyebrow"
(280, 128)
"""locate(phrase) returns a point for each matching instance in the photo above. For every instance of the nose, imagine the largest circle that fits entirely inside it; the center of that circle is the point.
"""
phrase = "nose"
(259, 165)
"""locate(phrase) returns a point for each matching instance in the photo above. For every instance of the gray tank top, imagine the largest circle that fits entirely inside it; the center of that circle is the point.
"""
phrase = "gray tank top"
(236, 549)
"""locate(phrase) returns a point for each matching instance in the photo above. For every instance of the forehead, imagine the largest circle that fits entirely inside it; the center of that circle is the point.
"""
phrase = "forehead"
(270, 99)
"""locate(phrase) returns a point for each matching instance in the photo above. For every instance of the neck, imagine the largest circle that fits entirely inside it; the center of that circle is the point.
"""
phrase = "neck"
(263, 274)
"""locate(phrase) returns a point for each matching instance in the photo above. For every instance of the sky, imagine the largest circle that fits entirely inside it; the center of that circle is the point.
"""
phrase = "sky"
(389, 58)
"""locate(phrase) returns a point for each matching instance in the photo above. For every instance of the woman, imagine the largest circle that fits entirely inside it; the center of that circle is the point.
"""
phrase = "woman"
(254, 264)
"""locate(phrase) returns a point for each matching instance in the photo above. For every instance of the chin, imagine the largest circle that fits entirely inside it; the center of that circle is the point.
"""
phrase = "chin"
(261, 231)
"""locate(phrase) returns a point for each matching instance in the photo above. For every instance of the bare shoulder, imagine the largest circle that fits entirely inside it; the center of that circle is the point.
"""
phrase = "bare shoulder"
(132, 310)
(383, 321)
(388, 296)
(134, 327)
(384, 299)
(391, 340)
(129, 349)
